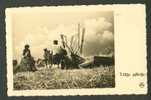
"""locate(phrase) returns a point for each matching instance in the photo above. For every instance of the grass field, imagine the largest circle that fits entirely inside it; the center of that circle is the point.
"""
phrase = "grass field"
(55, 78)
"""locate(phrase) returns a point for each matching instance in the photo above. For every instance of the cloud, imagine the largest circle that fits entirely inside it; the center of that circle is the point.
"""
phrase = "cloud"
(107, 35)
(97, 37)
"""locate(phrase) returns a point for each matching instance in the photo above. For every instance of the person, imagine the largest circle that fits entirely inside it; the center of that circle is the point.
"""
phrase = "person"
(28, 60)
(46, 57)
(26, 55)
(50, 55)
(63, 57)
(26, 51)
(56, 47)
(56, 51)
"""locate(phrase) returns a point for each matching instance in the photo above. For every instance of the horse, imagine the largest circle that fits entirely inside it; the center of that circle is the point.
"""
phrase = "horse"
(57, 59)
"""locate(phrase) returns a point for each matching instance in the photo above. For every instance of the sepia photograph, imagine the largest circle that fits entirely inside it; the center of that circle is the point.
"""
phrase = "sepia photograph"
(63, 50)
(67, 48)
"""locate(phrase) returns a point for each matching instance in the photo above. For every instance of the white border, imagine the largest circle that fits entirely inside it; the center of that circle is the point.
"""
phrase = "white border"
(130, 50)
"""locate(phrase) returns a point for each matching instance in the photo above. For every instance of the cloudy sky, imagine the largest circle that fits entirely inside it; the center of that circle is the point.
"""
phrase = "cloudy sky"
(40, 28)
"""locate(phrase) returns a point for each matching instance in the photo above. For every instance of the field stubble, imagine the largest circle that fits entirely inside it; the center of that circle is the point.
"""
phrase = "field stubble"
(55, 78)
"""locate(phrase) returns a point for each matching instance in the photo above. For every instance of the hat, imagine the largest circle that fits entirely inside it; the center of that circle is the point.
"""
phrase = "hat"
(26, 46)
(55, 42)
(45, 49)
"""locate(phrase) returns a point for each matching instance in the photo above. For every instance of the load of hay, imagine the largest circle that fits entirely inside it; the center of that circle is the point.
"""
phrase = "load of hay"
(26, 64)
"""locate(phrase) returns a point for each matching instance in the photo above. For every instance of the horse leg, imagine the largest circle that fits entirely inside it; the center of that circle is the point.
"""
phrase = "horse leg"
(58, 65)
(47, 64)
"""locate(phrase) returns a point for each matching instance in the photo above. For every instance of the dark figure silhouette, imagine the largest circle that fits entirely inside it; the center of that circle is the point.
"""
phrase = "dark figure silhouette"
(47, 58)
(26, 51)
(27, 59)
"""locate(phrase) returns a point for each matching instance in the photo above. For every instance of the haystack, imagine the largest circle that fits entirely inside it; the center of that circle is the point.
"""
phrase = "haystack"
(26, 64)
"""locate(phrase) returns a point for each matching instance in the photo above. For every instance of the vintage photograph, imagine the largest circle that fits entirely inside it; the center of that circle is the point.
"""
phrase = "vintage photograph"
(76, 50)
(63, 50)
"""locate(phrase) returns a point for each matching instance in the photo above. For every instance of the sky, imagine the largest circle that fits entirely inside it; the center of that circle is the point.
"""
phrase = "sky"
(40, 28)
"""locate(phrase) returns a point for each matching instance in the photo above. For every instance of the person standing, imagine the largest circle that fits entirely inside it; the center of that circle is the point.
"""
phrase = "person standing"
(50, 56)
(56, 53)
(46, 58)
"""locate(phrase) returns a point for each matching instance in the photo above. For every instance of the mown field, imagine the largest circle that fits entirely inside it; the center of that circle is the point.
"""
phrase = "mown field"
(55, 78)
